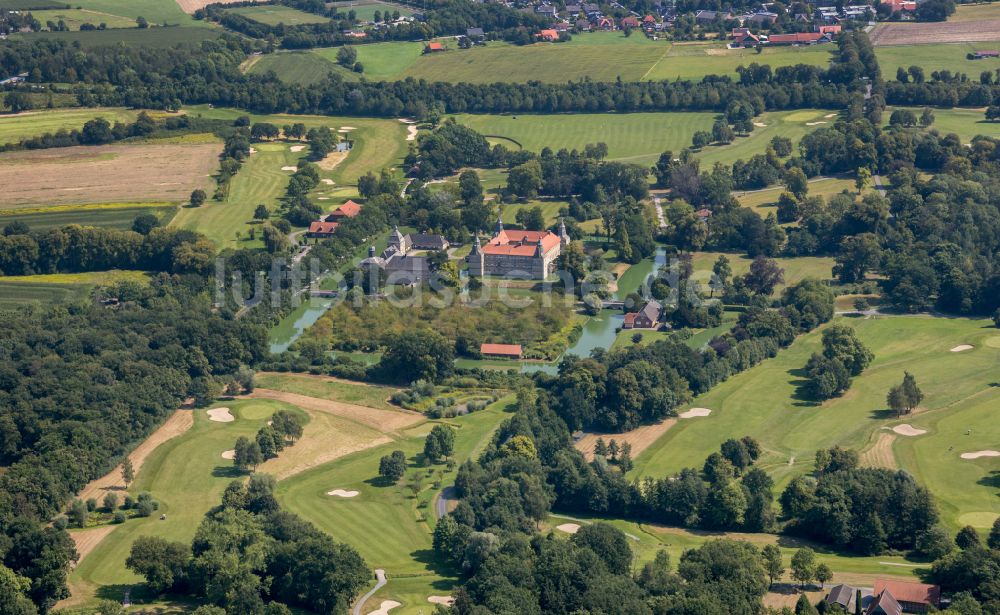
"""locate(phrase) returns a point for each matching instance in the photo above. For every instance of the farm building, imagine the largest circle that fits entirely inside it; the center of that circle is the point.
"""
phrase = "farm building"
(521, 254)
(475, 34)
(501, 351)
(415, 241)
(982, 55)
(843, 595)
(801, 38)
(704, 17)
(630, 22)
(548, 35)
(433, 47)
(347, 210)
(912, 597)
(884, 604)
(646, 318)
(399, 269)
(901, 5)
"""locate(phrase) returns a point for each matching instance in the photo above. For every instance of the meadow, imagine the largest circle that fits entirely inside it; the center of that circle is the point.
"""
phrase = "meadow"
(112, 215)
(154, 38)
(791, 124)
(763, 403)
(74, 18)
(298, 67)
(365, 9)
(155, 11)
(600, 56)
(14, 127)
(935, 57)
(273, 15)
(766, 201)
(965, 122)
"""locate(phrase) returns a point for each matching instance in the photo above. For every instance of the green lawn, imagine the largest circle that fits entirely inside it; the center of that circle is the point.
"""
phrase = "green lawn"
(187, 475)
(259, 180)
(935, 57)
(74, 18)
(59, 287)
(365, 10)
(766, 201)
(155, 11)
(550, 210)
(13, 128)
(381, 60)
(300, 67)
(958, 388)
(796, 269)
(965, 122)
(791, 124)
(273, 15)
(695, 60)
(388, 525)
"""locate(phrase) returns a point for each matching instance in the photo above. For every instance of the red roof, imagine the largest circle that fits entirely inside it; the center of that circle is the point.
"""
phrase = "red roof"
(630, 21)
(550, 35)
(347, 210)
(521, 243)
(801, 37)
(630, 318)
(322, 227)
(506, 350)
(703, 213)
(435, 46)
(833, 29)
(909, 591)
(649, 19)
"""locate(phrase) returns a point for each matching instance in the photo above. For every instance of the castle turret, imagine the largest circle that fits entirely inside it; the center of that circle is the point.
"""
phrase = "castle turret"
(476, 259)
(499, 228)
(563, 235)
(371, 251)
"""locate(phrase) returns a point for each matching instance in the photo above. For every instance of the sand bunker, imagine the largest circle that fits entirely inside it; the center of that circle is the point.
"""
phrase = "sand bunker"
(230, 454)
(760, 124)
(253, 151)
(978, 454)
(445, 600)
(411, 132)
(296, 148)
(908, 430)
(695, 412)
(402, 119)
(323, 198)
(829, 115)
(569, 528)
(383, 609)
(221, 415)
(328, 182)
(289, 168)
(962, 348)
(815, 123)
(342, 493)
(346, 129)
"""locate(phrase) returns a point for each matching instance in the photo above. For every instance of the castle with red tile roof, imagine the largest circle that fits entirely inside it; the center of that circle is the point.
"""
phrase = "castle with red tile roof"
(521, 254)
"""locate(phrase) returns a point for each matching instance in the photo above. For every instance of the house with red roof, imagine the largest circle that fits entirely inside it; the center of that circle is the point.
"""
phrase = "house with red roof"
(321, 229)
(548, 35)
(831, 29)
(646, 318)
(912, 597)
(630, 22)
(604, 23)
(347, 210)
(800, 38)
(501, 351)
(901, 5)
(433, 46)
(517, 253)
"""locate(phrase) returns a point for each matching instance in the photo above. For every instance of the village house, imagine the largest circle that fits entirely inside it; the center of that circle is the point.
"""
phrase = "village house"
(402, 244)
(582, 24)
(901, 5)
(883, 604)
(522, 254)
(982, 55)
(501, 351)
(603, 23)
(800, 38)
(591, 9)
(476, 35)
(912, 597)
(706, 17)
(646, 318)
(831, 29)
(321, 229)
(630, 22)
(762, 19)
(743, 37)
(546, 10)
(573, 9)
(433, 47)
(548, 35)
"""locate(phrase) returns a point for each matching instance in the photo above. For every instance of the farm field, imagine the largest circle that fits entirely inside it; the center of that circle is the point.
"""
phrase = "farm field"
(149, 37)
(14, 127)
(601, 56)
(155, 11)
(388, 525)
(273, 15)
(630, 137)
(298, 67)
(762, 403)
(106, 173)
(966, 123)
(74, 18)
(113, 215)
(968, 30)
(260, 180)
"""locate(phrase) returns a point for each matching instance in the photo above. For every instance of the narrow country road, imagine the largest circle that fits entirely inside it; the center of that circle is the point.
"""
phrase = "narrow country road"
(441, 504)
(380, 581)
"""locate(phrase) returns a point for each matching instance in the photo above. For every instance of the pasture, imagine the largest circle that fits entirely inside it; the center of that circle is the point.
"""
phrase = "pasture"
(155, 38)
(934, 57)
(600, 56)
(60, 287)
(155, 11)
(14, 127)
(112, 215)
(365, 9)
(106, 173)
(964, 122)
(763, 403)
(31, 5)
(260, 180)
(298, 67)
(74, 18)
(273, 15)
(391, 525)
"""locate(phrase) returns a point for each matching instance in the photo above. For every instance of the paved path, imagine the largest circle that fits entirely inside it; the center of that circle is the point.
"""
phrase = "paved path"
(380, 581)
(659, 212)
(441, 504)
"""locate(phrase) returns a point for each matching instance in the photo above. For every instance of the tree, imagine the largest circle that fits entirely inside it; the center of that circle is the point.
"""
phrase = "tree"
(525, 180)
(772, 562)
(840, 342)
(823, 574)
(110, 501)
(722, 273)
(198, 197)
(926, 117)
(470, 189)
(347, 56)
(911, 392)
(896, 400)
(247, 453)
(862, 179)
(796, 182)
(440, 443)
(804, 565)
(764, 275)
(804, 607)
(18, 102)
(722, 133)
(967, 538)
(162, 563)
(600, 448)
(420, 354)
(145, 223)
(78, 513)
(993, 541)
(392, 466)
(141, 23)
(128, 473)
(607, 542)
(14, 593)
(700, 139)
(531, 218)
